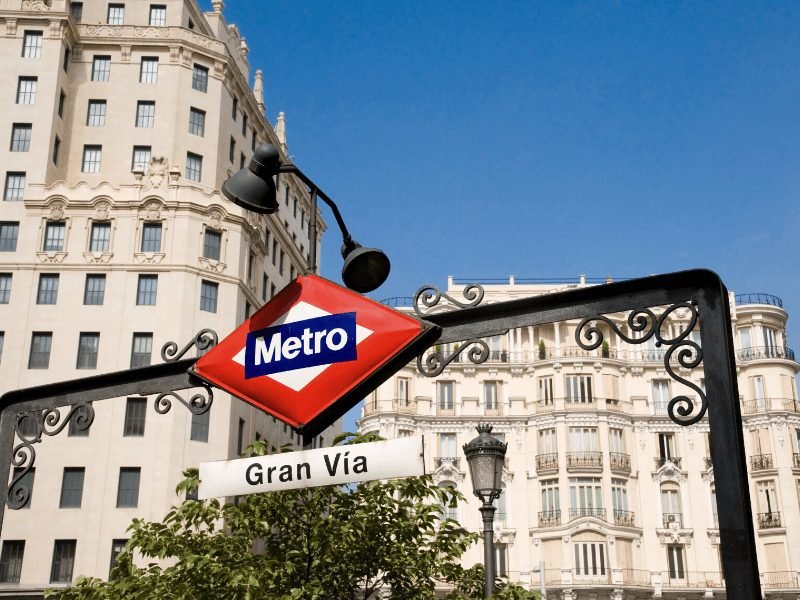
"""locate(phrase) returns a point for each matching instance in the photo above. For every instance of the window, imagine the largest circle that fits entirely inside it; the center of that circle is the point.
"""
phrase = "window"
(671, 504)
(92, 156)
(65, 64)
(9, 231)
(135, 412)
(128, 488)
(146, 290)
(11, 561)
(26, 90)
(94, 290)
(490, 394)
(117, 546)
(63, 561)
(26, 478)
(32, 44)
(450, 509)
(666, 446)
(447, 447)
(240, 437)
(264, 286)
(148, 70)
(583, 439)
(100, 240)
(770, 340)
(40, 350)
(585, 496)
(199, 432)
(234, 107)
(47, 292)
(294, 208)
(675, 561)
(232, 149)
(548, 443)
(81, 416)
(101, 68)
(208, 296)
(200, 78)
(550, 497)
(2, 343)
(616, 440)
(72, 487)
(661, 396)
(116, 14)
(56, 149)
(579, 388)
(140, 161)
(5, 288)
(444, 395)
(158, 14)
(21, 137)
(54, 233)
(241, 160)
(212, 244)
(15, 186)
(280, 262)
(767, 497)
(619, 496)
(197, 121)
(194, 167)
(590, 559)
(61, 99)
(141, 349)
(76, 11)
(145, 113)
(88, 346)
(250, 263)
(151, 237)
(96, 113)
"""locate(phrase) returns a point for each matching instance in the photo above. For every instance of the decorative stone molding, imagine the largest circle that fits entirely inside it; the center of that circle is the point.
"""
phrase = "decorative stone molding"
(37, 5)
(151, 211)
(51, 257)
(212, 265)
(11, 27)
(148, 258)
(56, 211)
(218, 72)
(102, 210)
(156, 174)
(674, 534)
(669, 471)
(98, 258)
(186, 57)
(125, 53)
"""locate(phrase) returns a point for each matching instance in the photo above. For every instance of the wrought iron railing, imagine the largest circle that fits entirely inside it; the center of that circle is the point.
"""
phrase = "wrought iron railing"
(763, 352)
(624, 518)
(765, 405)
(575, 513)
(781, 579)
(692, 579)
(638, 577)
(796, 460)
(662, 460)
(671, 519)
(760, 462)
(403, 405)
(398, 302)
(769, 520)
(619, 461)
(547, 462)
(584, 460)
(757, 298)
(550, 518)
(445, 411)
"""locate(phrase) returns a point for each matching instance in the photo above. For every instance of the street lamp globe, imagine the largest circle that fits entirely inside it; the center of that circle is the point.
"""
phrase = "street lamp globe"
(485, 457)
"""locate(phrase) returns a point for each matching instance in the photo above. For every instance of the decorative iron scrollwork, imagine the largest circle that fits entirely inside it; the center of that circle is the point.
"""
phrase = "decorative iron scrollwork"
(435, 362)
(30, 427)
(429, 296)
(198, 404)
(204, 340)
(687, 353)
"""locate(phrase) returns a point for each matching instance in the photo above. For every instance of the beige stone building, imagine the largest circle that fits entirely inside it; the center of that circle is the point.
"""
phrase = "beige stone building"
(121, 122)
(601, 488)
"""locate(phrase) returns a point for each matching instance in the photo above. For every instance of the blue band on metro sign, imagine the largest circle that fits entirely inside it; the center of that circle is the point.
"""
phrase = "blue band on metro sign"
(307, 343)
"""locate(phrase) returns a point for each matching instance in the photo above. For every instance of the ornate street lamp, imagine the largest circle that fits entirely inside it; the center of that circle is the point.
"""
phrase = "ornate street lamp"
(253, 188)
(486, 456)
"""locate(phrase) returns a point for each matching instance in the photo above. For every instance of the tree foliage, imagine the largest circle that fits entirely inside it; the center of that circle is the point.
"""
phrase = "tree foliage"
(322, 543)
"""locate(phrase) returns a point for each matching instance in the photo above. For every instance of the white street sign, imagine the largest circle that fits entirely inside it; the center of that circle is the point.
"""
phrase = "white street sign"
(390, 459)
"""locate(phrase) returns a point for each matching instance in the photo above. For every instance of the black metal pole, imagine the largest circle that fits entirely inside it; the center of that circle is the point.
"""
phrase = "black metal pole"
(487, 512)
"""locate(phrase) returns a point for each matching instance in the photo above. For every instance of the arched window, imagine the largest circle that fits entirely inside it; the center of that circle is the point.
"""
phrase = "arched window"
(450, 510)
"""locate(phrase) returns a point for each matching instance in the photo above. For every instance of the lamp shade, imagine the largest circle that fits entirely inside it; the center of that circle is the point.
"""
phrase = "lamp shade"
(365, 269)
(485, 456)
(253, 188)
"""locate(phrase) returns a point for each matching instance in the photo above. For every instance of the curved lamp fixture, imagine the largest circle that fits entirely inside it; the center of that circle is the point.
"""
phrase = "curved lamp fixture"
(253, 188)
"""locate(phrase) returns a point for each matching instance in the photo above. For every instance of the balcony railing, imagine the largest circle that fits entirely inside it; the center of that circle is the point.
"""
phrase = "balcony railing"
(765, 352)
(662, 460)
(445, 411)
(584, 460)
(760, 462)
(547, 462)
(455, 461)
(796, 460)
(692, 579)
(581, 405)
(402, 405)
(638, 577)
(769, 520)
(765, 405)
(575, 513)
(598, 575)
(624, 518)
(550, 518)
(619, 462)
(494, 411)
(670, 519)
(758, 299)
(781, 579)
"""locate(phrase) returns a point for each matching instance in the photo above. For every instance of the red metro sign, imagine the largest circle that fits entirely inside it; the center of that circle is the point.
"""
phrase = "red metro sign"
(312, 352)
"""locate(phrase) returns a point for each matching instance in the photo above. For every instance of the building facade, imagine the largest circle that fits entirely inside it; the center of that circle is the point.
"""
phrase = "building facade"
(122, 121)
(604, 497)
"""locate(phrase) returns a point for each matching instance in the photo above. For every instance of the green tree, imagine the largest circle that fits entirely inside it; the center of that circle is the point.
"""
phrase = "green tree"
(322, 543)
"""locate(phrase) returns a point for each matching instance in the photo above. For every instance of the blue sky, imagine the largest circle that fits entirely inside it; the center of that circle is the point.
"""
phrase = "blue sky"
(482, 139)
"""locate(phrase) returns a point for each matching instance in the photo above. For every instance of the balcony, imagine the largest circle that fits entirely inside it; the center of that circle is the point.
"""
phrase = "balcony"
(543, 407)
(445, 411)
(796, 460)
(615, 406)
(769, 520)
(550, 518)
(693, 579)
(638, 577)
(761, 462)
(576, 513)
(597, 575)
(780, 579)
(494, 411)
(582, 405)
(765, 405)
(624, 518)
(453, 461)
(765, 352)
(405, 406)
(672, 519)
(584, 461)
(619, 462)
(546, 462)
(663, 460)
(768, 299)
